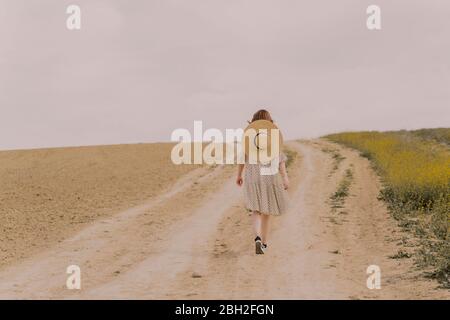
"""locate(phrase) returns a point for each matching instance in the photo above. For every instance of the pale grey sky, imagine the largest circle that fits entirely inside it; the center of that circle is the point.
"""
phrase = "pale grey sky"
(137, 70)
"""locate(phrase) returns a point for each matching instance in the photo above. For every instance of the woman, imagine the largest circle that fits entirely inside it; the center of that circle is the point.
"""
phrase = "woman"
(265, 195)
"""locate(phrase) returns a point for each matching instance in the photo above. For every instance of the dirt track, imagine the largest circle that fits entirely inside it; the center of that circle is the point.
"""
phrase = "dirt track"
(195, 241)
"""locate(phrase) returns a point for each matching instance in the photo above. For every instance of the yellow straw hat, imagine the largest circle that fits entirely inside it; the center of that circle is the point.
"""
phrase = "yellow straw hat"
(262, 141)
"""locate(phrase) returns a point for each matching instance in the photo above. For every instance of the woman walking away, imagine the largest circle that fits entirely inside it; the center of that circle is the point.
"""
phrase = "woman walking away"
(265, 194)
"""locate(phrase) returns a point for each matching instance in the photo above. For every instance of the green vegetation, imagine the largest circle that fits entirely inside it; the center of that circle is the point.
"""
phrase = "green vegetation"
(337, 158)
(441, 135)
(291, 155)
(400, 255)
(415, 170)
(338, 197)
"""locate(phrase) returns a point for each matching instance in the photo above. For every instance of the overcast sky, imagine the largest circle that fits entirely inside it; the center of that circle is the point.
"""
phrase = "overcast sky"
(137, 70)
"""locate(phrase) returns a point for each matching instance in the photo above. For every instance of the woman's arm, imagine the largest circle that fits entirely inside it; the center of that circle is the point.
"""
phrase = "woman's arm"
(239, 179)
(284, 175)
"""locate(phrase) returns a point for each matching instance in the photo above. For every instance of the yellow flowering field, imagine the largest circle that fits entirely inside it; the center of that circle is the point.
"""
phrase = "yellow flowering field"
(415, 169)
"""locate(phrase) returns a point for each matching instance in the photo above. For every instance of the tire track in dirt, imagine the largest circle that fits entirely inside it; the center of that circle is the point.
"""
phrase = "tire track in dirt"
(196, 241)
(152, 278)
(111, 246)
(366, 234)
(296, 264)
(314, 253)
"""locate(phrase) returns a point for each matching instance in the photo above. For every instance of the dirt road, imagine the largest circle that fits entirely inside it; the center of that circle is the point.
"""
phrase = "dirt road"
(195, 241)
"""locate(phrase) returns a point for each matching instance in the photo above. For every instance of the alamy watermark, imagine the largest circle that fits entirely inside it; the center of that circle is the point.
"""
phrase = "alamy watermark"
(73, 281)
(373, 21)
(374, 279)
(212, 147)
(73, 21)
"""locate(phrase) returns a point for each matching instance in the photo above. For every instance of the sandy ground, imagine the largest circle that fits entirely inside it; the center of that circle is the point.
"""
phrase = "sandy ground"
(47, 195)
(193, 240)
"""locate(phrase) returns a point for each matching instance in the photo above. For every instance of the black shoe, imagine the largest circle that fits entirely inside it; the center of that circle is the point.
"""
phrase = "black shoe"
(259, 247)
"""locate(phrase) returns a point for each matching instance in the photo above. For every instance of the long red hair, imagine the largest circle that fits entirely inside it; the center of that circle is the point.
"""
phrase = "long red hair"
(261, 114)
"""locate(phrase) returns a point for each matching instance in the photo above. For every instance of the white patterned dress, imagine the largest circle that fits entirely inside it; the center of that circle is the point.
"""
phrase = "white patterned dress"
(264, 193)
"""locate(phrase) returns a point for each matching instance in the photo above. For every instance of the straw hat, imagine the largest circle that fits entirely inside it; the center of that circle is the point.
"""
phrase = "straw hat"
(257, 141)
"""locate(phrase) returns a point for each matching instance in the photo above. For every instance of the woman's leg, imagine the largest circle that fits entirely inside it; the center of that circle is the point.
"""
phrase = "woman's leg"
(264, 227)
(256, 218)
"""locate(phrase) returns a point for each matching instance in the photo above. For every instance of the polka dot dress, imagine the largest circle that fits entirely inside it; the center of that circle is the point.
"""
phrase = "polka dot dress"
(264, 193)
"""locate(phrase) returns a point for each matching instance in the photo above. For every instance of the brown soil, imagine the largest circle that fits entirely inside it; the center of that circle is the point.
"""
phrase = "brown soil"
(195, 241)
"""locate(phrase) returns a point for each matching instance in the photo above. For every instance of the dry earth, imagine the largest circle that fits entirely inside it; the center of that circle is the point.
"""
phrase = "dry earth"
(192, 238)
